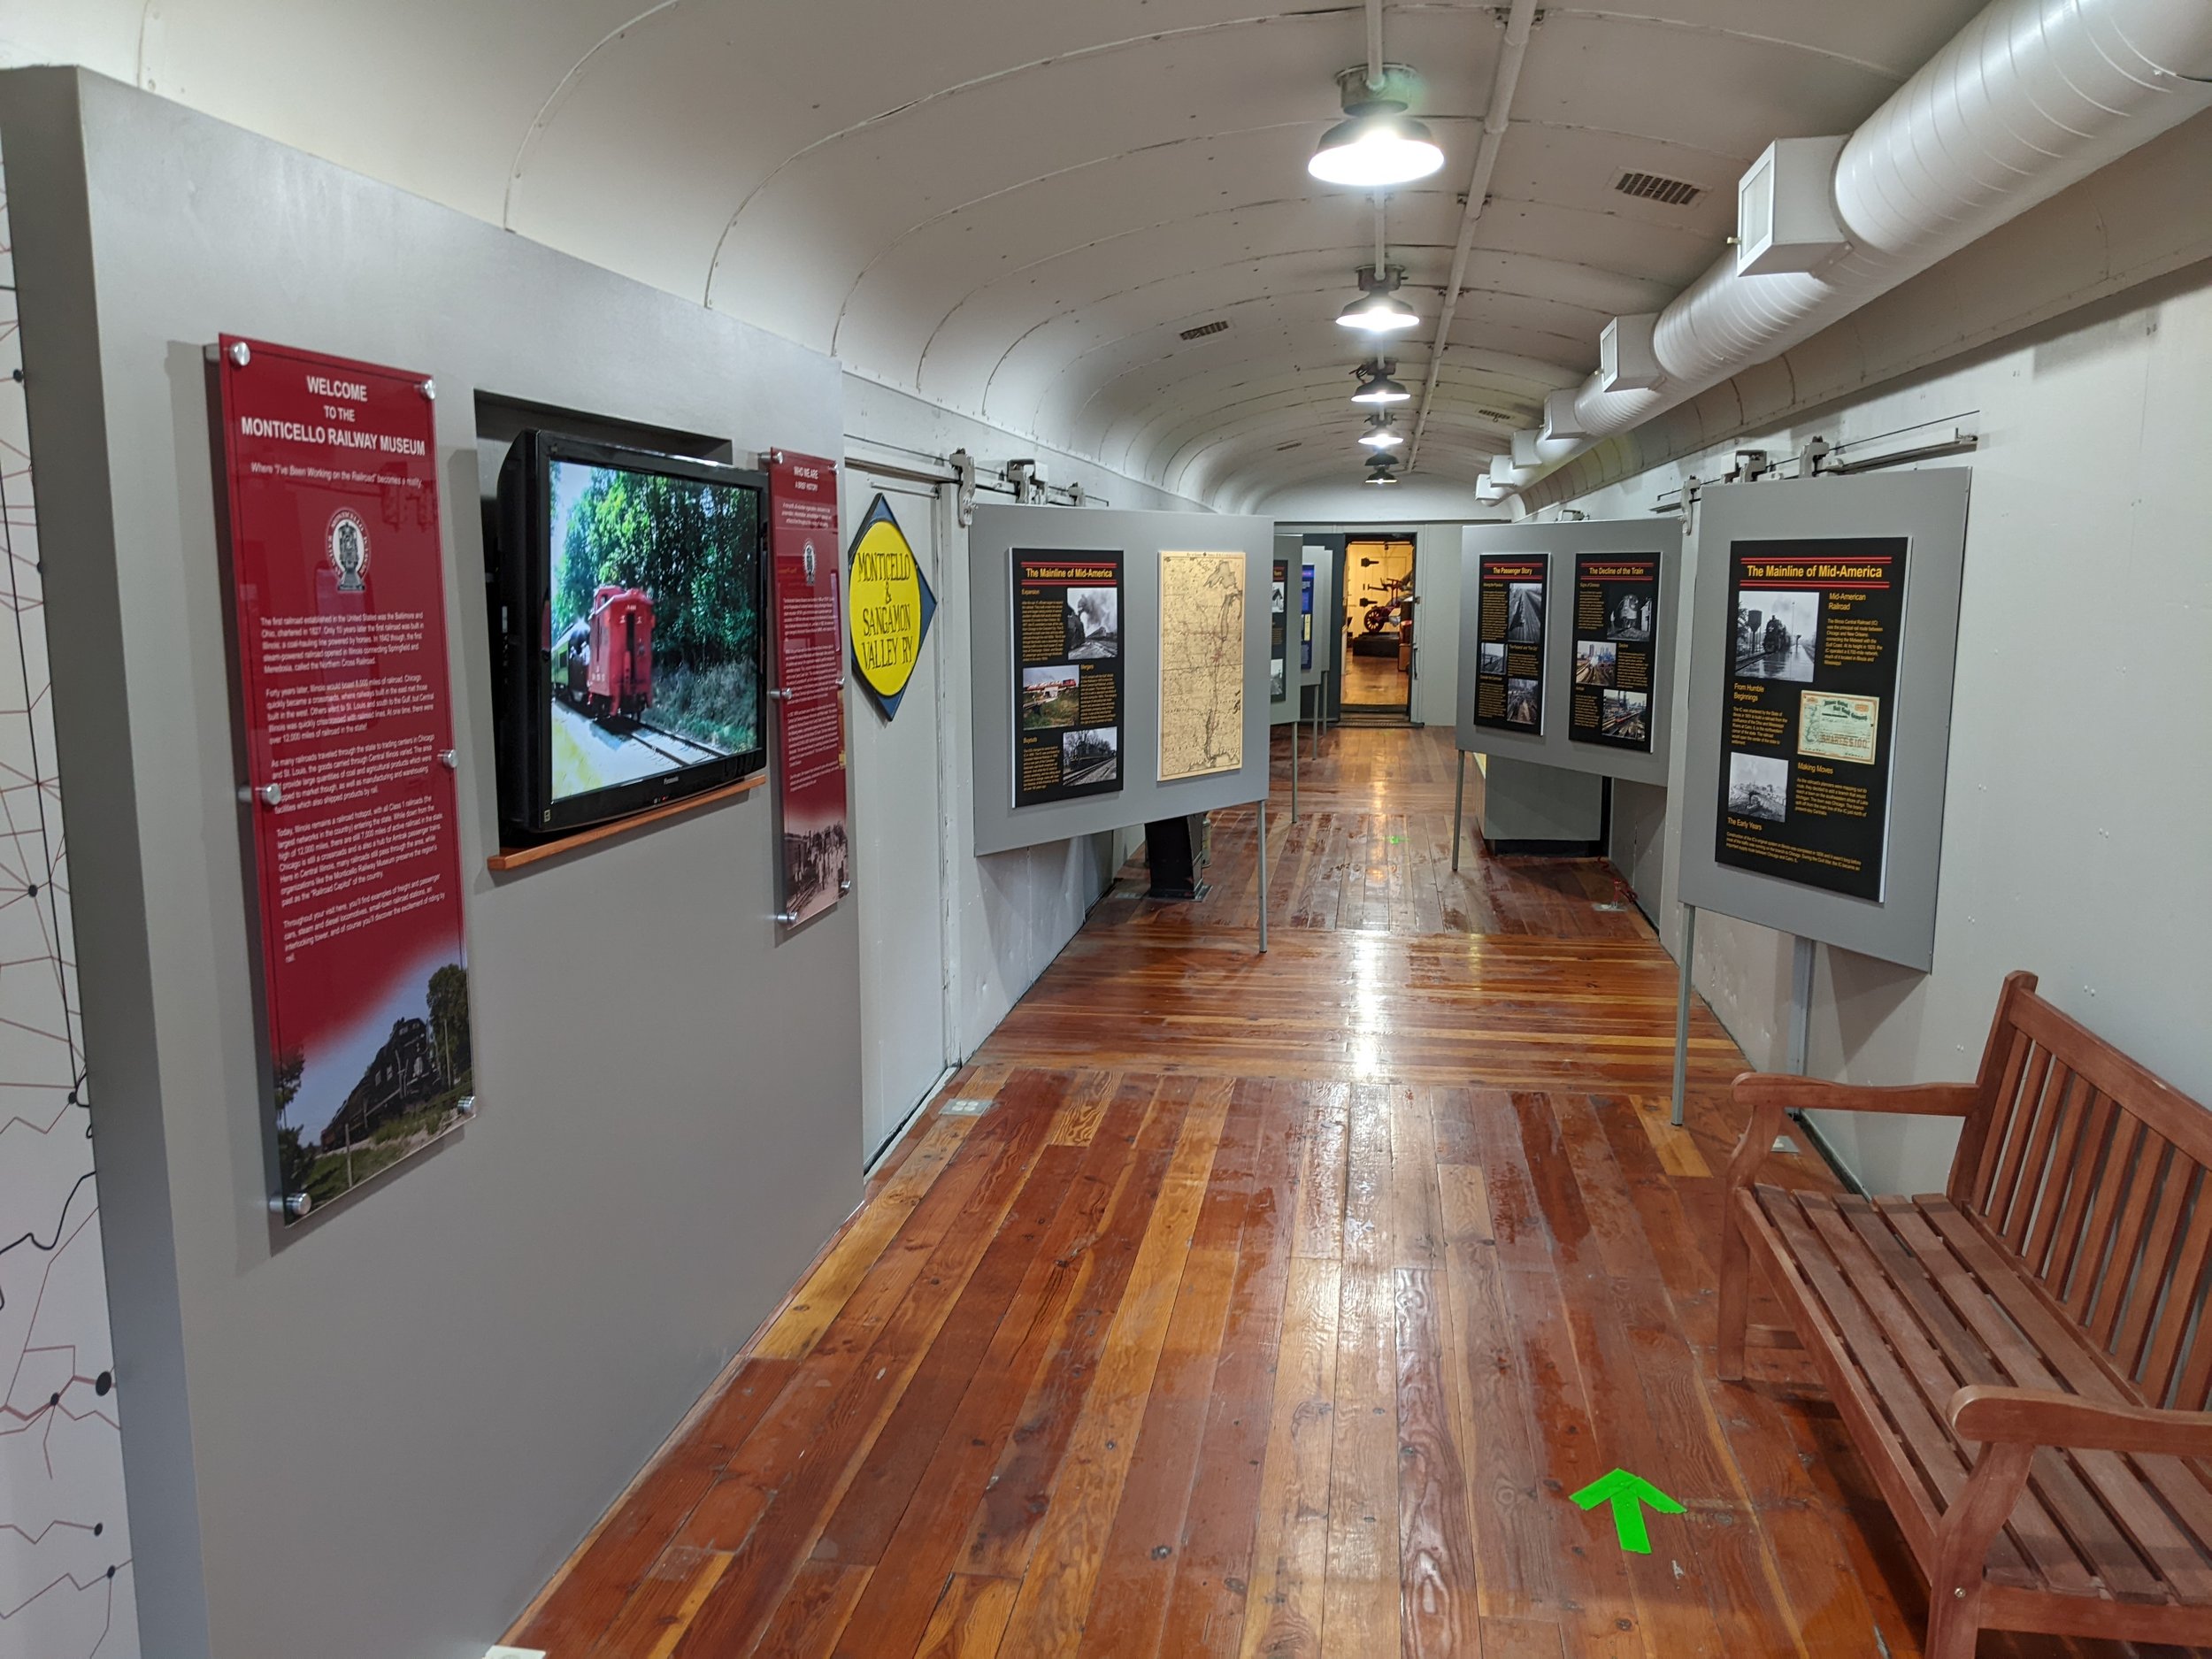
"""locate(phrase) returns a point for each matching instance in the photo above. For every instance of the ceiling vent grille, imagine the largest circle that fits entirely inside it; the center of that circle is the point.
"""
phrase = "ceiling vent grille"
(1500, 416)
(1650, 186)
(1203, 329)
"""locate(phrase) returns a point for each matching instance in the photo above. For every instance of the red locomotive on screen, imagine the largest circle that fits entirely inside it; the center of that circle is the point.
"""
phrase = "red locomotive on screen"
(603, 662)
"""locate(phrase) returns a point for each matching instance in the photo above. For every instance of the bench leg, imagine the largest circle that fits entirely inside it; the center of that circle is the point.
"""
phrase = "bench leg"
(1962, 1547)
(1735, 1290)
(1735, 1249)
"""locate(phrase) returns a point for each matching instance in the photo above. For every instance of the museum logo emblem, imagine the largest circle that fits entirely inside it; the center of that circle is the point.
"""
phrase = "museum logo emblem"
(347, 544)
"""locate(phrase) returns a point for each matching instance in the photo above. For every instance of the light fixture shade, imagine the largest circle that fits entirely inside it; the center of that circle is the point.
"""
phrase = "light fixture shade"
(1379, 146)
(1382, 434)
(1378, 313)
(1381, 389)
(1382, 474)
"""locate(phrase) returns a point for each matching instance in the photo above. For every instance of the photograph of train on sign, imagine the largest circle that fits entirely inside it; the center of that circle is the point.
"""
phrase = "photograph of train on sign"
(353, 1101)
(655, 625)
(1812, 657)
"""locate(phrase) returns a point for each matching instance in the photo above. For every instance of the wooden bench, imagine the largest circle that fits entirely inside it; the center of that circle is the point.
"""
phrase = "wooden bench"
(2023, 1360)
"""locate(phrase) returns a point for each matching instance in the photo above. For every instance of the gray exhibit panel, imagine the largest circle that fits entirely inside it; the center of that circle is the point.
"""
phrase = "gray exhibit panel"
(1328, 627)
(1928, 508)
(1563, 543)
(381, 1433)
(1141, 538)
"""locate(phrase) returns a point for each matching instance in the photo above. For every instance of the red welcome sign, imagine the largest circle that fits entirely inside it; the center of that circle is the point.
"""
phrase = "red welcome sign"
(338, 578)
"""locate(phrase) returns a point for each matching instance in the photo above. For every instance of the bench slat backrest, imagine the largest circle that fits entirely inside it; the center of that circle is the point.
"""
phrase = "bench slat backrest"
(2092, 1171)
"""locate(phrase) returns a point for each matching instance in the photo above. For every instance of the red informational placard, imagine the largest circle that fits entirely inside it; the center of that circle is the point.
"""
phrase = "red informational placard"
(809, 684)
(339, 582)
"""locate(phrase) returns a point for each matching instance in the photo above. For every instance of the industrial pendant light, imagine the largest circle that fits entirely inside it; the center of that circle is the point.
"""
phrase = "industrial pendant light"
(1376, 386)
(1378, 310)
(1382, 434)
(1380, 472)
(1377, 144)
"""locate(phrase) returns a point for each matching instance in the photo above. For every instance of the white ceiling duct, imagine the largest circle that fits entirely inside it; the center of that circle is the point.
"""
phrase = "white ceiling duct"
(2030, 98)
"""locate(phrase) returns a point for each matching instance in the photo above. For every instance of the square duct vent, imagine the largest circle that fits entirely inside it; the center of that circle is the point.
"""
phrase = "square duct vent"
(1203, 329)
(1650, 187)
(1786, 209)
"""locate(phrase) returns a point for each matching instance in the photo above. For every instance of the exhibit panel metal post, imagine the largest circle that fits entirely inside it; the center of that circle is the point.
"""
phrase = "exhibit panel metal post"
(1459, 806)
(1800, 1003)
(1263, 823)
(1293, 773)
(1686, 966)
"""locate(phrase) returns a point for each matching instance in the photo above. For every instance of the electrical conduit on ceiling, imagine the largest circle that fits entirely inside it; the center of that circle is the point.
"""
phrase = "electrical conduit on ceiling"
(2030, 98)
(1519, 20)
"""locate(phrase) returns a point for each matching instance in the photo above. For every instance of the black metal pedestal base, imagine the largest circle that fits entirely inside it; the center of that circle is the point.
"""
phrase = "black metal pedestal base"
(1172, 847)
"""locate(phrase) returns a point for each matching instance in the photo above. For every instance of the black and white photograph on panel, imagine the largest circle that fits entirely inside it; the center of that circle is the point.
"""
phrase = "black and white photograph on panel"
(1523, 702)
(1524, 612)
(1774, 634)
(1593, 662)
(1628, 613)
(1049, 698)
(1091, 757)
(1625, 716)
(1759, 787)
(1493, 656)
(1094, 623)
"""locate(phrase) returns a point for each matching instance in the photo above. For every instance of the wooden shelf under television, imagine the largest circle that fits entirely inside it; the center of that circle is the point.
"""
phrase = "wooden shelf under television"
(522, 857)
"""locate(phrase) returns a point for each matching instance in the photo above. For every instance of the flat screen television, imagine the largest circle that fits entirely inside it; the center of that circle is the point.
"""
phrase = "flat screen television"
(632, 624)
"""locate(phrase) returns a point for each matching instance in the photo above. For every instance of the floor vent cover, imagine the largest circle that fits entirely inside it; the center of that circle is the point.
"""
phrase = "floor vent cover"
(963, 1109)
(1650, 186)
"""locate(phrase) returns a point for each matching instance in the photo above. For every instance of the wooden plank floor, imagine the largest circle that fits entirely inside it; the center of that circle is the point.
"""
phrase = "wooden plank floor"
(1274, 1308)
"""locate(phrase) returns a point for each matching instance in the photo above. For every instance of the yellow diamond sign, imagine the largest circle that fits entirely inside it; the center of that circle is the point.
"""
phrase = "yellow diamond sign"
(889, 605)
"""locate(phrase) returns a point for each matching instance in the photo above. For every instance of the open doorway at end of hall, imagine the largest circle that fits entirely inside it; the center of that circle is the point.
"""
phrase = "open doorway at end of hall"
(1379, 625)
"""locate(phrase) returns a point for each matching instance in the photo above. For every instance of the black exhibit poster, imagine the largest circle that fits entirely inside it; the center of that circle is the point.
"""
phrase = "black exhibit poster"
(1067, 675)
(1617, 620)
(1510, 636)
(1805, 756)
(1278, 635)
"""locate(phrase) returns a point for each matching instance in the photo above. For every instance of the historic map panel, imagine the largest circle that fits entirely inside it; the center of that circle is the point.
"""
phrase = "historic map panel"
(1202, 664)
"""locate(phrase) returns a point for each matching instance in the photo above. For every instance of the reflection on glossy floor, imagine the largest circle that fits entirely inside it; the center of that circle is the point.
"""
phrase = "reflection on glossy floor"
(1275, 1307)
(1373, 681)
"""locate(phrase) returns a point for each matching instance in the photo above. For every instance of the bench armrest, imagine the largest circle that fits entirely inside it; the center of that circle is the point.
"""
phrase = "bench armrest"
(1771, 1094)
(1799, 1093)
(2045, 1417)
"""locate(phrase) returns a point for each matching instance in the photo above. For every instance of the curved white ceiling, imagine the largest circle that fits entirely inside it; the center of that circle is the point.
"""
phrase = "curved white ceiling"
(1015, 209)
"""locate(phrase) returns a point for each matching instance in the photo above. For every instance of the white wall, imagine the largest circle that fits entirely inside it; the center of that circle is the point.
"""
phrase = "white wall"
(1351, 503)
(1012, 912)
(2080, 781)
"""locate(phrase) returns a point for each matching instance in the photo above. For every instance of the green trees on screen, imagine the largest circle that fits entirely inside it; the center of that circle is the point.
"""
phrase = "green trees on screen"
(694, 547)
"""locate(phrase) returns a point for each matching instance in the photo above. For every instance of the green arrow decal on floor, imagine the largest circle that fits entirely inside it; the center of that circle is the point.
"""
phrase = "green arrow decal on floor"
(1628, 1493)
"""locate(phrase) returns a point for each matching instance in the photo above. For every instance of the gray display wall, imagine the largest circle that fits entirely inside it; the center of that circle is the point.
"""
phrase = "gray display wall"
(1328, 609)
(380, 1435)
(1928, 508)
(1141, 537)
(1563, 543)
